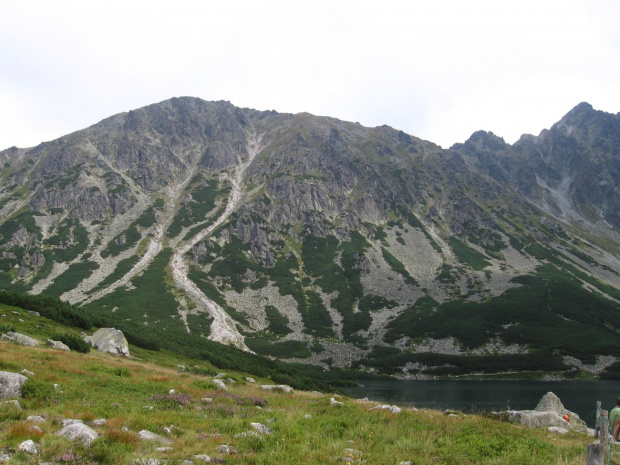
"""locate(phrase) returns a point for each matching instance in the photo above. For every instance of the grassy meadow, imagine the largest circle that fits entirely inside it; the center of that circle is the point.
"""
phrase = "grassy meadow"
(135, 394)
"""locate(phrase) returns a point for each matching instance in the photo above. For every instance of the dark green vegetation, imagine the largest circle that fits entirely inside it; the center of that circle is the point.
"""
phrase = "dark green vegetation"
(151, 296)
(71, 278)
(72, 341)
(467, 254)
(203, 194)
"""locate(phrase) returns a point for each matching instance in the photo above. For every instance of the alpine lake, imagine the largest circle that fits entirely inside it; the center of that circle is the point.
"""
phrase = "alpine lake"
(474, 396)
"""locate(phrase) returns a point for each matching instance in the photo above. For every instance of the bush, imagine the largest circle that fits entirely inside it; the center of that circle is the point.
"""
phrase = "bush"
(37, 389)
(72, 341)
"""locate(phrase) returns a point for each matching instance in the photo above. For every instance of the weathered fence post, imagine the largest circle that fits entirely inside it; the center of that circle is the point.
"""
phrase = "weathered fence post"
(598, 450)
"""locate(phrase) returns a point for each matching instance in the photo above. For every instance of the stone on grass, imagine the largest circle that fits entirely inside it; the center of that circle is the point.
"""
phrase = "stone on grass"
(36, 419)
(109, 340)
(391, 408)
(557, 429)
(149, 436)
(20, 339)
(26, 372)
(220, 376)
(202, 458)
(78, 432)
(7, 404)
(250, 380)
(58, 345)
(33, 313)
(259, 427)
(11, 384)
(99, 422)
(29, 446)
(220, 385)
(71, 421)
(334, 402)
(5, 458)
(225, 449)
(277, 387)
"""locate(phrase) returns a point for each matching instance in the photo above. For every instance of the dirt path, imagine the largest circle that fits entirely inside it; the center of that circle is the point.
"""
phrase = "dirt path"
(223, 328)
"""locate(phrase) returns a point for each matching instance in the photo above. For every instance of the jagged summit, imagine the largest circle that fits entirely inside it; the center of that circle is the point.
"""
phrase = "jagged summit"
(325, 241)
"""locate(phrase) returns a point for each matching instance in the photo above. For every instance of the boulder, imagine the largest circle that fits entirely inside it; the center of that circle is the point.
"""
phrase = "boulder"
(29, 446)
(109, 340)
(260, 428)
(277, 387)
(149, 436)
(220, 385)
(11, 384)
(549, 412)
(7, 404)
(19, 339)
(57, 345)
(391, 408)
(78, 432)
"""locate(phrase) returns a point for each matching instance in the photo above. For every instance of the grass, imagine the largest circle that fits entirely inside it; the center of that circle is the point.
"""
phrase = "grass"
(135, 394)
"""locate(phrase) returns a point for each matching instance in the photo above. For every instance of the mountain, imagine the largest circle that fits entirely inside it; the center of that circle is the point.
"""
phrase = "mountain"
(325, 242)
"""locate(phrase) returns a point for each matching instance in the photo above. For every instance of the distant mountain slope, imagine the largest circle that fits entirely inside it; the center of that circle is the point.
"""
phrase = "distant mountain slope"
(322, 241)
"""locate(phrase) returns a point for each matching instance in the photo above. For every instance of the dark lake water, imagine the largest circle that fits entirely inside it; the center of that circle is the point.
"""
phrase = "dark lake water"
(475, 396)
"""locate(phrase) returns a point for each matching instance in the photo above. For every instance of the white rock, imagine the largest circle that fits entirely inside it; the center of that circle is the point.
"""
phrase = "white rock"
(308, 417)
(109, 340)
(220, 375)
(29, 446)
(10, 404)
(249, 380)
(4, 458)
(334, 402)
(78, 432)
(20, 339)
(260, 428)
(202, 458)
(206, 400)
(33, 313)
(277, 387)
(26, 372)
(58, 345)
(163, 449)
(99, 422)
(391, 408)
(226, 449)
(11, 384)
(36, 419)
(557, 429)
(148, 436)
(220, 385)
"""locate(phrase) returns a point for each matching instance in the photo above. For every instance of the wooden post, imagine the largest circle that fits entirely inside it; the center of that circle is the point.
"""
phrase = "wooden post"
(597, 427)
(605, 429)
(596, 454)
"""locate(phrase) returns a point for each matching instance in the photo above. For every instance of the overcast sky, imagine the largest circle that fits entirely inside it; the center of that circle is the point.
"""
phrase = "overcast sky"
(439, 70)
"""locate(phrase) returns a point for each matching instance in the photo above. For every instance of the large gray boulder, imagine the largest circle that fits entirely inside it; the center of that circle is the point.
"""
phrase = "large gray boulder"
(57, 345)
(109, 340)
(78, 432)
(19, 339)
(549, 412)
(11, 384)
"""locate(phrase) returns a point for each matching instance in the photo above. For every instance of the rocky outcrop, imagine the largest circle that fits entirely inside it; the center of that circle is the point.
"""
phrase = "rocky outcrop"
(150, 436)
(549, 412)
(109, 340)
(10, 384)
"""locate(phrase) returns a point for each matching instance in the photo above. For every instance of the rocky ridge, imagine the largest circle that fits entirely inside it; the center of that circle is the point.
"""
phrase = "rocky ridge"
(318, 240)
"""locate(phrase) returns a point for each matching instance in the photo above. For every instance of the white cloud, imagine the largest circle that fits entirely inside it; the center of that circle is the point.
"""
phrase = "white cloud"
(436, 69)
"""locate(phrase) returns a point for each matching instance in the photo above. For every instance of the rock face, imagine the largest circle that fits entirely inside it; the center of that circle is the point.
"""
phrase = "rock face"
(549, 412)
(109, 340)
(20, 339)
(10, 384)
